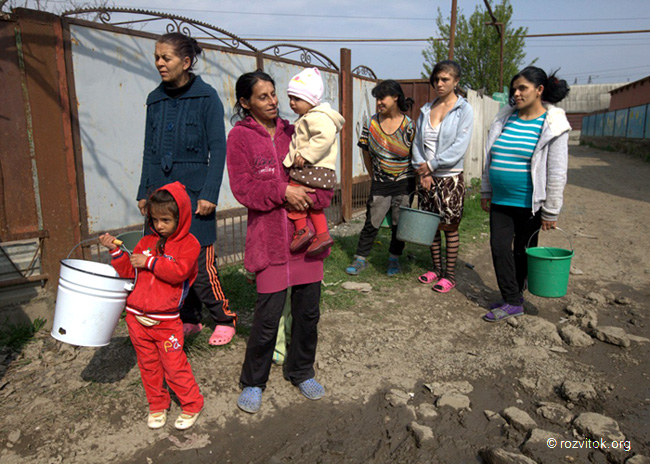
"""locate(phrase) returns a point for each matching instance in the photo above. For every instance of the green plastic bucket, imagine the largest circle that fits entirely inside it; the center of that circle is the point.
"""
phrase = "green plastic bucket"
(417, 226)
(387, 223)
(548, 269)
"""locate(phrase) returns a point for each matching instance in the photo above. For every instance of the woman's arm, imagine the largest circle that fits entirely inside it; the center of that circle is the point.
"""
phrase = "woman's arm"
(215, 131)
(146, 156)
(248, 189)
(556, 175)
(417, 149)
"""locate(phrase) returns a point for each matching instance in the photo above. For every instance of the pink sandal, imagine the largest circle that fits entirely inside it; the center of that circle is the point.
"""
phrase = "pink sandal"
(443, 286)
(222, 335)
(428, 277)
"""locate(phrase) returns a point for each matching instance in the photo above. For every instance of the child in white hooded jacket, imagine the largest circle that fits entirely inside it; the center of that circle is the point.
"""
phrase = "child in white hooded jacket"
(312, 156)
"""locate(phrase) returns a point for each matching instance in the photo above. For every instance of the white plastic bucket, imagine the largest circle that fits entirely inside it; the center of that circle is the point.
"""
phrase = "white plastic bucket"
(89, 302)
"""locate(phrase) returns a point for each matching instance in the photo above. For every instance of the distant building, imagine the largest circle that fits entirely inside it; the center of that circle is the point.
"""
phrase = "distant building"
(588, 98)
(635, 93)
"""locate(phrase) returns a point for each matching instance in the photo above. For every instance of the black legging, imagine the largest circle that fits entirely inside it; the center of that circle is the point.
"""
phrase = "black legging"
(299, 363)
(510, 229)
(452, 243)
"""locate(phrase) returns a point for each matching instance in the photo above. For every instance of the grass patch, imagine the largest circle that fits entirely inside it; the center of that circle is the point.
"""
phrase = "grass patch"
(16, 336)
(475, 220)
(414, 261)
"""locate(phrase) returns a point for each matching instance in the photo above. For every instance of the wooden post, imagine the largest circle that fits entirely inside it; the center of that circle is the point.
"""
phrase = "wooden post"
(347, 134)
(452, 29)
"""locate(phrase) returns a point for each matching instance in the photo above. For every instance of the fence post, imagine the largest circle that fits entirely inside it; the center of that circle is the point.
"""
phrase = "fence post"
(347, 110)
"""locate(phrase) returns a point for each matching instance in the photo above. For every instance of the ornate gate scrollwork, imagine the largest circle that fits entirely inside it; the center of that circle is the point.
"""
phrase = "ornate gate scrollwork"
(187, 26)
(364, 71)
(306, 55)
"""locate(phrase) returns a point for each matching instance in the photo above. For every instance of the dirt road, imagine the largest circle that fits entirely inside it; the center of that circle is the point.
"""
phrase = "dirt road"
(412, 376)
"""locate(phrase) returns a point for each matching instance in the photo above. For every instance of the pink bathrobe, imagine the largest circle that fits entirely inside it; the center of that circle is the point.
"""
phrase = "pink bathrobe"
(259, 182)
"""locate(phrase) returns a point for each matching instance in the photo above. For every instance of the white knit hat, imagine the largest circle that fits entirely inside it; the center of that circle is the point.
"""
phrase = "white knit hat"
(307, 85)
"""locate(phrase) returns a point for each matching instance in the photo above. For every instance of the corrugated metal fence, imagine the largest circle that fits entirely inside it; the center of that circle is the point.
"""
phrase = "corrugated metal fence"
(630, 123)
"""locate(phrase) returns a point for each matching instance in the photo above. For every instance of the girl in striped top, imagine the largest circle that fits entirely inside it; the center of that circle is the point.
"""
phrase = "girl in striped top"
(523, 180)
(386, 146)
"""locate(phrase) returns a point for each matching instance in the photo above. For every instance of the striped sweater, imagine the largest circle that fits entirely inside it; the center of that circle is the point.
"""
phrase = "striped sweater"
(512, 184)
(390, 153)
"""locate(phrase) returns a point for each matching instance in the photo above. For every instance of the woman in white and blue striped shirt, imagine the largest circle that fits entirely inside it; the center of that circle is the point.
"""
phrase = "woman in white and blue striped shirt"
(523, 180)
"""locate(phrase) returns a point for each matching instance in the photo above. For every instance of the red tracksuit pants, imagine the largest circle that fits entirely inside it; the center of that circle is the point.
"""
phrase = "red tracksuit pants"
(160, 354)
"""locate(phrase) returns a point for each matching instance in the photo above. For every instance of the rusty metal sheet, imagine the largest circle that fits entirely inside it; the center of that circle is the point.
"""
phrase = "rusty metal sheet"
(18, 208)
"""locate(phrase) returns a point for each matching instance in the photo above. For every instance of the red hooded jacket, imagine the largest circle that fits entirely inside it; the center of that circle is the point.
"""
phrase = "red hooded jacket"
(162, 286)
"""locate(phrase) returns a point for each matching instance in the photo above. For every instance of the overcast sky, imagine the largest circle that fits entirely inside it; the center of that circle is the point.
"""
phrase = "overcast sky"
(610, 58)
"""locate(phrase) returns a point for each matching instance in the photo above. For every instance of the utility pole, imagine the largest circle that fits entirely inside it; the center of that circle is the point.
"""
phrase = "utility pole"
(452, 29)
(500, 31)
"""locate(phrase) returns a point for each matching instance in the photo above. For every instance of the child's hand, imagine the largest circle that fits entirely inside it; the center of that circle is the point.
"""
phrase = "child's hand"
(139, 260)
(106, 241)
(299, 162)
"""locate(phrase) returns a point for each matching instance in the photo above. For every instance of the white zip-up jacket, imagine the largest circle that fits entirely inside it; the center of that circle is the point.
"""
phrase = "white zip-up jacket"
(548, 165)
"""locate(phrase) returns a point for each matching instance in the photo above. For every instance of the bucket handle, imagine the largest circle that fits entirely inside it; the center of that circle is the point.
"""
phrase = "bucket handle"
(128, 286)
(556, 228)
(93, 239)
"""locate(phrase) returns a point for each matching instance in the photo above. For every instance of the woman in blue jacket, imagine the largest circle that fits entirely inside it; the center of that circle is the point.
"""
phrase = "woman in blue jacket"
(185, 141)
(443, 133)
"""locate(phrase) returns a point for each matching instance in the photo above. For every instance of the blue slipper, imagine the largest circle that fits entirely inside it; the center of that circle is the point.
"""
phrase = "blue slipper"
(312, 389)
(250, 399)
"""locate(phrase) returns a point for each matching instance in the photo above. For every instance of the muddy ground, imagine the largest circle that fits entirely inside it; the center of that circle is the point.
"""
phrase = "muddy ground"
(411, 376)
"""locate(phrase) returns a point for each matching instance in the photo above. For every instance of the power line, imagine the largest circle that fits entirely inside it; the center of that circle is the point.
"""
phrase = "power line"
(402, 18)
(526, 36)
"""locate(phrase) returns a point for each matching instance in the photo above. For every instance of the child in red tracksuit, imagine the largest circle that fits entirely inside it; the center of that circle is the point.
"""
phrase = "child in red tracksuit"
(166, 264)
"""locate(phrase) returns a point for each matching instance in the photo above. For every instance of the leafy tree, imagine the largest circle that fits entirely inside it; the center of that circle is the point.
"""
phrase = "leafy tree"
(476, 47)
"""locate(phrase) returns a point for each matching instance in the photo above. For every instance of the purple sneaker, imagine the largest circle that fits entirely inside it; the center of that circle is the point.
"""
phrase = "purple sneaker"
(503, 312)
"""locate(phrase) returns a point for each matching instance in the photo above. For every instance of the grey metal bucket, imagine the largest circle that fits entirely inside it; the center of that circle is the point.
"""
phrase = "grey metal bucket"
(417, 226)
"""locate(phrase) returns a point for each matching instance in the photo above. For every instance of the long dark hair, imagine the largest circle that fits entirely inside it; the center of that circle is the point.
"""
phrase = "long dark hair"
(244, 89)
(555, 90)
(162, 201)
(183, 46)
(392, 88)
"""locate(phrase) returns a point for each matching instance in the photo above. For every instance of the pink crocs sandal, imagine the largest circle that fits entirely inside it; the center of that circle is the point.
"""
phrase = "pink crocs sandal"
(443, 286)
(428, 277)
(222, 335)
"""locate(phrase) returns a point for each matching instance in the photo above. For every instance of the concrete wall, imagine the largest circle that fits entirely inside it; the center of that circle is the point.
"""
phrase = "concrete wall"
(588, 98)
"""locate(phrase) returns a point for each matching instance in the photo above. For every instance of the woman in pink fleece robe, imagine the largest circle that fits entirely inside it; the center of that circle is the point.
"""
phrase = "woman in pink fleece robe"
(256, 148)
